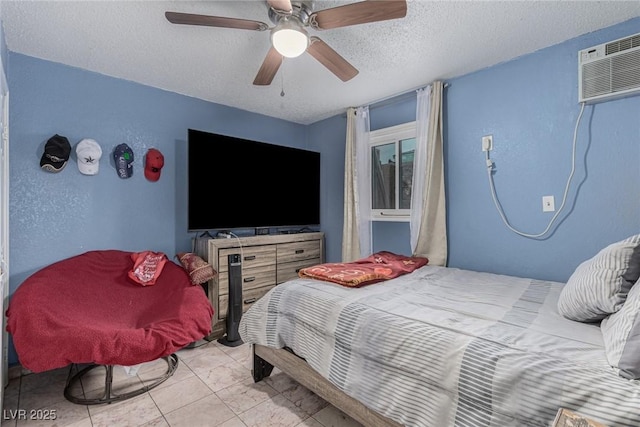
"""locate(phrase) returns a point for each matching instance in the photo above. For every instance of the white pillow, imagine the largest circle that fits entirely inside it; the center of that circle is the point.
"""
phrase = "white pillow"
(621, 334)
(599, 286)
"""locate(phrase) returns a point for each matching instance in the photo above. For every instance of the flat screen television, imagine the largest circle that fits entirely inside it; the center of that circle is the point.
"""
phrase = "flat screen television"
(238, 183)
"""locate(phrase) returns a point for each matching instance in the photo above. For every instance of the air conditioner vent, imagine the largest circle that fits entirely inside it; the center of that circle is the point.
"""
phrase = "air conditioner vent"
(623, 44)
(609, 70)
(625, 71)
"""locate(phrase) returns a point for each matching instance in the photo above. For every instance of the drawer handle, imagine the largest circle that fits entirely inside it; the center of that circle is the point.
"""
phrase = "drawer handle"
(249, 300)
(250, 258)
(248, 279)
(300, 251)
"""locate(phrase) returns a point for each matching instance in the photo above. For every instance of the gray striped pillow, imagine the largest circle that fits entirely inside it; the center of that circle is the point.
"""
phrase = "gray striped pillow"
(621, 334)
(599, 286)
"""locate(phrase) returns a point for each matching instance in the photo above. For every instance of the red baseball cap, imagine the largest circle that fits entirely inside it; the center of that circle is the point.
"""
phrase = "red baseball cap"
(153, 164)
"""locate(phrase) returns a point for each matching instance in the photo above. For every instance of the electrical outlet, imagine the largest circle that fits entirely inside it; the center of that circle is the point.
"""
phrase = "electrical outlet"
(548, 204)
(487, 143)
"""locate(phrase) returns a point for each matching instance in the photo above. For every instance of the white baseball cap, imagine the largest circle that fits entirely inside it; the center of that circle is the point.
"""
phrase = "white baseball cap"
(89, 153)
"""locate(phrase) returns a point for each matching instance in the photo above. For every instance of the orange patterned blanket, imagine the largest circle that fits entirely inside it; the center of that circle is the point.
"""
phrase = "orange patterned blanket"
(375, 268)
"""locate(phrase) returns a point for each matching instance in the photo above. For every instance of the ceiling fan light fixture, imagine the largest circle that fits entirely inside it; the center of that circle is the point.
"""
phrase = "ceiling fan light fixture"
(289, 39)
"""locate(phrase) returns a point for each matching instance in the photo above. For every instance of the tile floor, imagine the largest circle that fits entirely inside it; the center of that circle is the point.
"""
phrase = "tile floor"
(212, 387)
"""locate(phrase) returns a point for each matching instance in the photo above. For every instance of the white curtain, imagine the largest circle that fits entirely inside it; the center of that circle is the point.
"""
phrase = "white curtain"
(356, 231)
(428, 210)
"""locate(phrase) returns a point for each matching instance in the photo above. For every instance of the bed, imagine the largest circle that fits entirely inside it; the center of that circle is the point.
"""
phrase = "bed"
(440, 347)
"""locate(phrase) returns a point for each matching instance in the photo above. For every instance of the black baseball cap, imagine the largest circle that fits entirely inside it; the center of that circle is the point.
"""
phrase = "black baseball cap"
(56, 154)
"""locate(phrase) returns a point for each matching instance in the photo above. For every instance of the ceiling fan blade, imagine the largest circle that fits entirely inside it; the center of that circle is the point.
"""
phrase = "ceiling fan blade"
(331, 59)
(358, 13)
(214, 21)
(281, 5)
(269, 68)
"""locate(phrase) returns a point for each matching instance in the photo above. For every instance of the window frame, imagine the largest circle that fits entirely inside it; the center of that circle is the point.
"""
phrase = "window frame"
(383, 136)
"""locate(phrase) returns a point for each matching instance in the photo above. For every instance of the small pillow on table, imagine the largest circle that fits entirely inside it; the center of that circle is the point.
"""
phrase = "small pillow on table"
(599, 286)
(199, 270)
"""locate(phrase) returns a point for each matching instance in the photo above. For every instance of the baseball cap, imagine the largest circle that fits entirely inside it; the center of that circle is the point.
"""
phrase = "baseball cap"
(153, 164)
(56, 154)
(123, 156)
(89, 153)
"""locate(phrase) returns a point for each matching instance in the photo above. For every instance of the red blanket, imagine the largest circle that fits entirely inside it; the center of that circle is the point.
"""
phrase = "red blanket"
(375, 268)
(85, 309)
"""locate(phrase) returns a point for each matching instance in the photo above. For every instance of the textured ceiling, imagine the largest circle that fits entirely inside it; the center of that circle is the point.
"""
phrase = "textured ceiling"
(132, 40)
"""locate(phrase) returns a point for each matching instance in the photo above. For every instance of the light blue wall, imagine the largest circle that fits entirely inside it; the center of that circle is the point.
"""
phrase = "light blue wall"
(54, 216)
(58, 215)
(328, 138)
(530, 106)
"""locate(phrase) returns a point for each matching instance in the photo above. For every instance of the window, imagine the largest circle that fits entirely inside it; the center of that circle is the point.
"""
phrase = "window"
(391, 173)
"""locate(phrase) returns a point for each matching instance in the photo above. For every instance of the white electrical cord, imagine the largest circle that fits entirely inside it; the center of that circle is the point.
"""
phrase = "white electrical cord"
(566, 189)
(231, 234)
(228, 235)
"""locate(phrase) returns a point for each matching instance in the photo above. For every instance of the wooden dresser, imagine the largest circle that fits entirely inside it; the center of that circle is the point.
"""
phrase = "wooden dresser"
(266, 261)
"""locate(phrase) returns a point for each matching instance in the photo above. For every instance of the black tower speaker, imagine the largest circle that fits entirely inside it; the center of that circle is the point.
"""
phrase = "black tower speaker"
(234, 312)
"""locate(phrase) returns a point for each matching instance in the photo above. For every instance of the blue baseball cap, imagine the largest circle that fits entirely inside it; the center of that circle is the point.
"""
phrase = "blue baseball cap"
(123, 156)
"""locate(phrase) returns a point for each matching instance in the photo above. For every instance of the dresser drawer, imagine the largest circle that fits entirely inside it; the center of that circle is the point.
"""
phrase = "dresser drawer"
(290, 270)
(298, 251)
(266, 261)
(251, 278)
(248, 298)
(252, 257)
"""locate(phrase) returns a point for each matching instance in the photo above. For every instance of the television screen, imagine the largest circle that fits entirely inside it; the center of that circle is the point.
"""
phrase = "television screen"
(238, 183)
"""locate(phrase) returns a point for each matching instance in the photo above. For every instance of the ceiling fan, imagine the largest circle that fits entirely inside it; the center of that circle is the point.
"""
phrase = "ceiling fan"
(289, 37)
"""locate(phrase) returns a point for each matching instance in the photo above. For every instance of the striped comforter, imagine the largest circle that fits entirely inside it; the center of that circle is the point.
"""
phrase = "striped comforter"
(448, 347)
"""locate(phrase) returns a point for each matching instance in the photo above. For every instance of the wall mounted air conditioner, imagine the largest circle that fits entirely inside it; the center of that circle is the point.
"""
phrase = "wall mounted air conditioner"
(610, 70)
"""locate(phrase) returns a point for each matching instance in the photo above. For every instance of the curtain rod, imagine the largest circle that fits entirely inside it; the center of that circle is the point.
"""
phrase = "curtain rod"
(392, 99)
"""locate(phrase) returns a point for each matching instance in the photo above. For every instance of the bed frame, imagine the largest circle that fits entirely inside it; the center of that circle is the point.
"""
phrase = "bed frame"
(266, 358)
